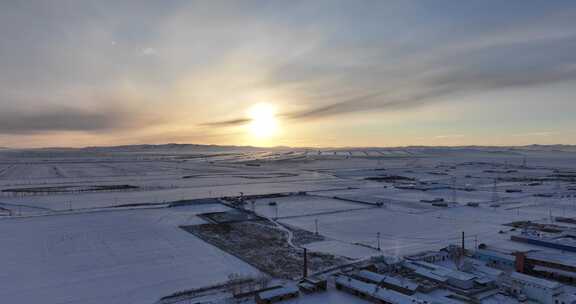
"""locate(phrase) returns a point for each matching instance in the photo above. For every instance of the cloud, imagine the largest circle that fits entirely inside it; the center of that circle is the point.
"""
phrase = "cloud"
(442, 137)
(513, 64)
(316, 60)
(379, 100)
(62, 118)
(449, 136)
(227, 123)
(536, 134)
(148, 51)
(485, 68)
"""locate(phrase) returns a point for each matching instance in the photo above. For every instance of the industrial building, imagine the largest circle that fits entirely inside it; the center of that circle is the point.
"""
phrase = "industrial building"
(374, 293)
(541, 290)
(400, 285)
(556, 266)
(430, 256)
(442, 274)
(565, 242)
(496, 258)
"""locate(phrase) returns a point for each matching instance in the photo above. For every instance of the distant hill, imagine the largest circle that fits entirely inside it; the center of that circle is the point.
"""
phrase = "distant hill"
(171, 147)
(191, 148)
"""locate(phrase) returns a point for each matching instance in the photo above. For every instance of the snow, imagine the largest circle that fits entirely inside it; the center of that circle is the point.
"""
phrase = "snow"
(295, 206)
(378, 293)
(535, 281)
(91, 254)
(343, 249)
(332, 297)
(123, 257)
(378, 278)
(286, 290)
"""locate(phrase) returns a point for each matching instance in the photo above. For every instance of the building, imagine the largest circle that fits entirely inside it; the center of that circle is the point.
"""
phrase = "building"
(375, 293)
(277, 295)
(565, 242)
(311, 285)
(400, 285)
(486, 272)
(460, 281)
(541, 290)
(430, 256)
(552, 265)
(496, 258)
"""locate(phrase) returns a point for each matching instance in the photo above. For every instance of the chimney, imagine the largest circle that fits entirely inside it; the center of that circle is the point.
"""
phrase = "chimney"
(520, 261)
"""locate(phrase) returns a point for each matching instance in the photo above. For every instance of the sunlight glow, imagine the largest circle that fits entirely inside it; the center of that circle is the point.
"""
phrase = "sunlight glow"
(264, 122)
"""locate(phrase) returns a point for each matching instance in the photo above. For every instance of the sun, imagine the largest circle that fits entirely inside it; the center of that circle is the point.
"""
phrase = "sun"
(264, 123)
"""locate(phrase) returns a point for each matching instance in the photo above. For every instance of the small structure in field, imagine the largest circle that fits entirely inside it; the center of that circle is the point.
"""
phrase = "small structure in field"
(311, 285)
(277, 295)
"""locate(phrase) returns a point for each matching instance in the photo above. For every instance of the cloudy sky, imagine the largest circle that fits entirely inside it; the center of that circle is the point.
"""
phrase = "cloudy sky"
(299, 73)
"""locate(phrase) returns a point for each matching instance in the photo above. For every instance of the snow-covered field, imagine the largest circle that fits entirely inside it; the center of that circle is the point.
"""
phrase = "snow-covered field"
(72, 247)
(131, 256)
(302, 206)
(404, 233)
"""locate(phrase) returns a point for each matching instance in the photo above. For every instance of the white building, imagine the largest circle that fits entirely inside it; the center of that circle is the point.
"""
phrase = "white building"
(541, 290)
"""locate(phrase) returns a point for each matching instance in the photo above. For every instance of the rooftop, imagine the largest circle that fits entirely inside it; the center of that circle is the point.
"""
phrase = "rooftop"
(376, 277)
(534, 280)
(554, 257)
(496, 254)
(278, 292)
(376, 292)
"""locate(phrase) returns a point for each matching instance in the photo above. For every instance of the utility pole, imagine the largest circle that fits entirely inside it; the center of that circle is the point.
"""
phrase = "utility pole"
(557, 190)
(305, 270)
(525, 162)
(378, 236)
(454, 189)
(463, 245)
(495, 191)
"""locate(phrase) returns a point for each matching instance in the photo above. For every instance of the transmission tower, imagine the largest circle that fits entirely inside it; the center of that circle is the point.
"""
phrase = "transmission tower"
(525, 162)
(495, 197)
(453, 189)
